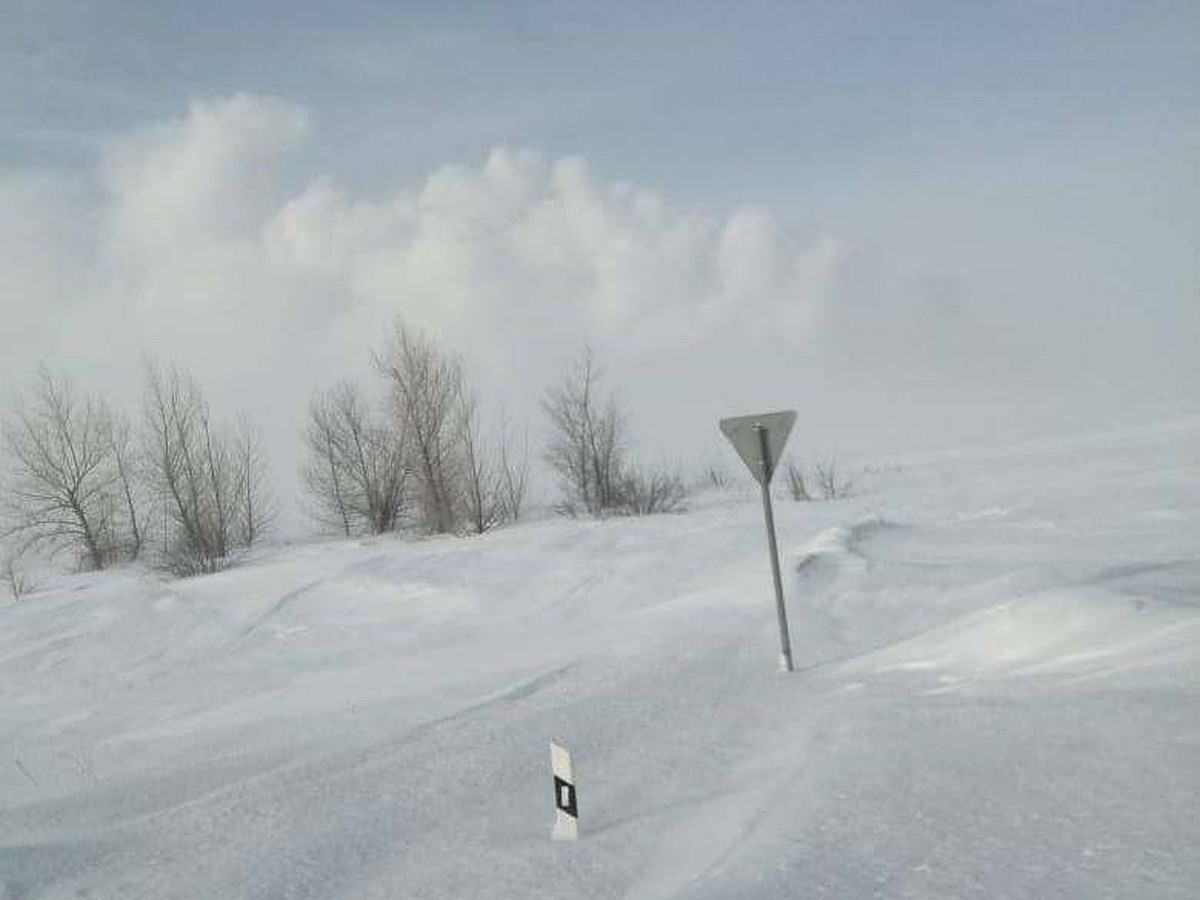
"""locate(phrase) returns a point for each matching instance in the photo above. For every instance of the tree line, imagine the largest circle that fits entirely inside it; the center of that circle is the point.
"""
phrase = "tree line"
(187, 491)
(83, 480)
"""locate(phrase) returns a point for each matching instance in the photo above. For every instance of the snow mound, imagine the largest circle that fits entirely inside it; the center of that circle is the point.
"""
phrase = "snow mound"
(1080, 632)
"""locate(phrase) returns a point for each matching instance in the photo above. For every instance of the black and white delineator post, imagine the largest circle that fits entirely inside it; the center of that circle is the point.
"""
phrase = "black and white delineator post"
(759, 441)
(566, 812)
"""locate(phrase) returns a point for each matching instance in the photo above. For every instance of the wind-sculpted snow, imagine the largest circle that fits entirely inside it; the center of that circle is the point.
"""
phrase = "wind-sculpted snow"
(997, 695)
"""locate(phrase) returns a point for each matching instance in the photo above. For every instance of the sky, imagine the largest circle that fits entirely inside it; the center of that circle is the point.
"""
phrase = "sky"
(918, 224)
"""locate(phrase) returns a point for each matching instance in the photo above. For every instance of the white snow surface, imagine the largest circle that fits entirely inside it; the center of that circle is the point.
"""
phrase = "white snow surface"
(997, 695)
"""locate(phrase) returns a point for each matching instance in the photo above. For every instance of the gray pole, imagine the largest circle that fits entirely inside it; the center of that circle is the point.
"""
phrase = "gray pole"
(785, 643)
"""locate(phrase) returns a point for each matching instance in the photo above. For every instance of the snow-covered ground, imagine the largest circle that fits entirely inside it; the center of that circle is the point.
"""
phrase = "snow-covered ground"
(997, 695)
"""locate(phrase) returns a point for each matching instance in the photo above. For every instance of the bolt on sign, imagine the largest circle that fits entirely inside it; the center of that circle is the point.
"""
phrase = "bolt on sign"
(566, 810)
(759, 440)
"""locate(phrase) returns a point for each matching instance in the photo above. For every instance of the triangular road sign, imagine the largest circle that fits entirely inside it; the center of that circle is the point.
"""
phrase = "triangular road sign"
(744, 432)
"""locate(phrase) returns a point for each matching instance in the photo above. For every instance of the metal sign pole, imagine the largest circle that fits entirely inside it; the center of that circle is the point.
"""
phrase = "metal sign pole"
(785, 642)
(759, 440)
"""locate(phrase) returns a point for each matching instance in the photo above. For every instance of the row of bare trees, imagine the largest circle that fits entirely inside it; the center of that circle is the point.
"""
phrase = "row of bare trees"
(423, 457)
(189, 491)
(83, 480)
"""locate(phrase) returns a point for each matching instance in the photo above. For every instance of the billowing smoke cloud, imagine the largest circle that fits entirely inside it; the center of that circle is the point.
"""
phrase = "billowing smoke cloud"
(196, 241)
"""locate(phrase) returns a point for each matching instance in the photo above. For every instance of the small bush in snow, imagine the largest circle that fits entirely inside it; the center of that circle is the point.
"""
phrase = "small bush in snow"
(646, 493)
(797, 488)
(588, 451)
(19, 584)
(829, 483)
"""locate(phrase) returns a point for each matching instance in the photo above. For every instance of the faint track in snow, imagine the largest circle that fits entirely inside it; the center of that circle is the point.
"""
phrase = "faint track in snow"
(1185, 593)
(276, 607)
(24, 771)
(520, 691)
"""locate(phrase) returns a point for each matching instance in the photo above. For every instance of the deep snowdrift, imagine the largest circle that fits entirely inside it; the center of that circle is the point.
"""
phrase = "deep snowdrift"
(997, 695)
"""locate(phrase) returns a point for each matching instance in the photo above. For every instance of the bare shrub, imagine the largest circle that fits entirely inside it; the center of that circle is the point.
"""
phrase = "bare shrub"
(587, 441)
(206, 478)
(830, 485)
(64, 486)
(797, 488)
(588, 451)
(132, 494)
(255, 505)
(356, 470)
(646, 493)
(427, 385)
(483, 486)
(514, 472)
(715, 476)
(19, 584)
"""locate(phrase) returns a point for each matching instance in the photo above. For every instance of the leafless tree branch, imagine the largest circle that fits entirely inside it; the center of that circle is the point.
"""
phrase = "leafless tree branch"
(210, 481)
(427, 385)
(356, 470)
(63, 486)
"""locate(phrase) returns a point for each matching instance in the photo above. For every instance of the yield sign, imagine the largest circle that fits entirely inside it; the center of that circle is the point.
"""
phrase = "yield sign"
(759, 440)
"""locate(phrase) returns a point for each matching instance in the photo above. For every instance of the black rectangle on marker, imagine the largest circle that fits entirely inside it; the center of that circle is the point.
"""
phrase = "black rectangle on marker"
(569, 805)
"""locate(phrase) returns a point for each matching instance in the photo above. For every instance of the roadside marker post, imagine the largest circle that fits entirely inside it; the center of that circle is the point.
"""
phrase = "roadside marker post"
(759, 441)
(566, 810)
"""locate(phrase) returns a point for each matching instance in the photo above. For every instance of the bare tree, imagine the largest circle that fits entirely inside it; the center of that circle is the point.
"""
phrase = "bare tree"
(64, 485)
(201, 477)
(426, 385)
(514, 472)
(356, 471)
(124, 454)
(587, 440)
(324, 473)
(173, 457)
(255, 506)
(483, 488)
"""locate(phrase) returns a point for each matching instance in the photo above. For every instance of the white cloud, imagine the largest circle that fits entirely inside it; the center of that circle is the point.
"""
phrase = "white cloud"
(540, 251)
(194, 243)
(208, 176)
